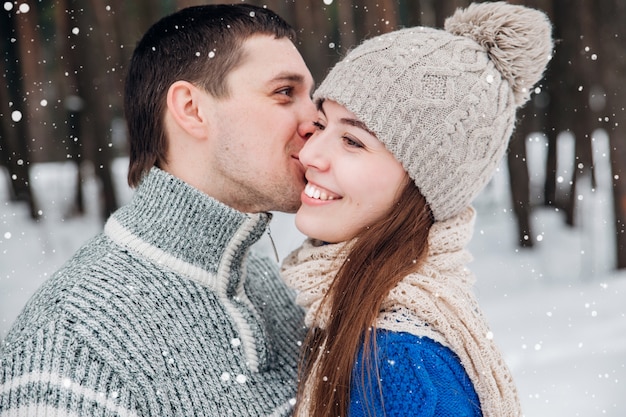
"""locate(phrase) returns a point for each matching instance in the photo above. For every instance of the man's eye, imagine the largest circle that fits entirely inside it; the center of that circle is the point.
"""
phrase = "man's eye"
(287, 91)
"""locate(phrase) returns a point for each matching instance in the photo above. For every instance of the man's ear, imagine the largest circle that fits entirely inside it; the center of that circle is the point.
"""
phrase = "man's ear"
(184, 105)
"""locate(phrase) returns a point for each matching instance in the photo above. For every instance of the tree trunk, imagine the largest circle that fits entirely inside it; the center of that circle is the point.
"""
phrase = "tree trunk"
(346, 26)
(577, 32)
(567, 105)
(15, 120)
(518, 176)
(97, 89)
(445, 9)
(317, 37)
(409, 13)
(612, 67)
(70, 95)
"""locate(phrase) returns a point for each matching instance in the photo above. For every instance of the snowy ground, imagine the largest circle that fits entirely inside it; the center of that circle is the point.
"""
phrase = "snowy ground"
(557, 311)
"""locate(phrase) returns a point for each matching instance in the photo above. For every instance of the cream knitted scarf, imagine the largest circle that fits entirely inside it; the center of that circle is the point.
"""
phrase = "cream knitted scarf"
(438, 302)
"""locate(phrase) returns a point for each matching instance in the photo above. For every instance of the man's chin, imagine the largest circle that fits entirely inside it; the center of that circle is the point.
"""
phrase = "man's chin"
(291, 209)
(290, 206)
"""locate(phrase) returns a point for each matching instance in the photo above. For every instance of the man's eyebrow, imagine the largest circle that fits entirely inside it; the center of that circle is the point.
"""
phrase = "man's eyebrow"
(289, 76)
(293, 77)
(347, 121)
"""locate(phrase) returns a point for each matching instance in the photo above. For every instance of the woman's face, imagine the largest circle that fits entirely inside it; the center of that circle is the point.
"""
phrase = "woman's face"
(352, 179)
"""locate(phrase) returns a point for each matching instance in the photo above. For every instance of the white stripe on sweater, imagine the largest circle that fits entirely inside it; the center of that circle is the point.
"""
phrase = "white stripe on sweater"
(125, 238)
(246, 335)
(218, 283)
(63, 384)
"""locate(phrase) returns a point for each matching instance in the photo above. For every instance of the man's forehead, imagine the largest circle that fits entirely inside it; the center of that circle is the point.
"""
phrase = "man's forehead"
(266, 47)
(275, 60)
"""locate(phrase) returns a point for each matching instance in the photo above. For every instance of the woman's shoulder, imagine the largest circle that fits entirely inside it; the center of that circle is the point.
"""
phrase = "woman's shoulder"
(402, 345)
(419, 354)
(418, 377)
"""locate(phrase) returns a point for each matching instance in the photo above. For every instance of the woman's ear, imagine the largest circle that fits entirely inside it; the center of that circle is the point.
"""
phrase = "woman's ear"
(184, 104)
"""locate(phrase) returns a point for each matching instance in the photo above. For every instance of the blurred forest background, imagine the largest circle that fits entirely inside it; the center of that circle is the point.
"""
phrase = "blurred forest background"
(63, 64)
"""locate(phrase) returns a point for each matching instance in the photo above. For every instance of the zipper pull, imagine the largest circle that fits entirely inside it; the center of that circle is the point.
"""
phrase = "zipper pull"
(269, 233)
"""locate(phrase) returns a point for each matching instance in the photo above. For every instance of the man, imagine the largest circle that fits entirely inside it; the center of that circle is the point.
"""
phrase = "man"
(167, 312)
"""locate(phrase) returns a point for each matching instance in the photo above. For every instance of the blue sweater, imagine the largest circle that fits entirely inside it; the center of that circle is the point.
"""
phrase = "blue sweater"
(419, 377)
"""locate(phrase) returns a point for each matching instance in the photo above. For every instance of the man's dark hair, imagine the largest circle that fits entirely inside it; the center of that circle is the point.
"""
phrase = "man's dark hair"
(199, 44)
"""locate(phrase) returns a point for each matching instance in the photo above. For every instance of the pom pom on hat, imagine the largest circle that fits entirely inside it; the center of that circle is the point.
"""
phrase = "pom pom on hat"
(507, 36)
(443, 101)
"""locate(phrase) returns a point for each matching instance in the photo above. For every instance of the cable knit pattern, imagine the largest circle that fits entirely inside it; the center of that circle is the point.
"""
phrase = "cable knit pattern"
(168, 312)
(438, 303)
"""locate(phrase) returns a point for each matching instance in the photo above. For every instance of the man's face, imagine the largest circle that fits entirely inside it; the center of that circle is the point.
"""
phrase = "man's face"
(258, 130)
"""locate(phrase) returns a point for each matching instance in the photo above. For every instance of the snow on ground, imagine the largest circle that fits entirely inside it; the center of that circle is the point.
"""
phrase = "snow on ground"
(557, 310)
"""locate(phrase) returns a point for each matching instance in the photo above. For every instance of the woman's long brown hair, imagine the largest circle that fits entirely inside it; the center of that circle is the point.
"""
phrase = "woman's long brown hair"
(383, 254)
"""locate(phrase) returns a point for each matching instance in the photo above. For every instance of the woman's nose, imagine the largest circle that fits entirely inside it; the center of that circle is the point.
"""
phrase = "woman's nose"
(314, 152)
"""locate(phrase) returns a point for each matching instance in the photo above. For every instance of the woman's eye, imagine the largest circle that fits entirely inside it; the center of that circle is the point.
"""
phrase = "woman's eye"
(352, 142)
(319, 126)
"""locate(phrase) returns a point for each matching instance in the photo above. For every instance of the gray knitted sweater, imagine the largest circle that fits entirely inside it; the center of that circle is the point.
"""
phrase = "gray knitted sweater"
(165, 313)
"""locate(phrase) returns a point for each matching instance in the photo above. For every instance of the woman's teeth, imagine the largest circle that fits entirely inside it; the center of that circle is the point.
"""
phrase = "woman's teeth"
(316, 193)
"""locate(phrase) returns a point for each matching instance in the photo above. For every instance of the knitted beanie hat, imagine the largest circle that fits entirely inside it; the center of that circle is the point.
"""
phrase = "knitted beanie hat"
(444, 101)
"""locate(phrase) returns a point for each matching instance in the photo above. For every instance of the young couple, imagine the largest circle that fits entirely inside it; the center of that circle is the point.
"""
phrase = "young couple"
(169, 313)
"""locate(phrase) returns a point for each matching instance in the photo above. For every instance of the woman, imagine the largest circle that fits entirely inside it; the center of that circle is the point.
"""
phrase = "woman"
(412, 125)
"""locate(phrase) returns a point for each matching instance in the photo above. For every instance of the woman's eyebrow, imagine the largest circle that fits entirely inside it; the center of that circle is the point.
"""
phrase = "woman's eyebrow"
(347, 121)
(357, 123)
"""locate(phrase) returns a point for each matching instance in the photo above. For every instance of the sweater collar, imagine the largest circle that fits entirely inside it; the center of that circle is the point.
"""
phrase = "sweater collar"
(174, 224)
